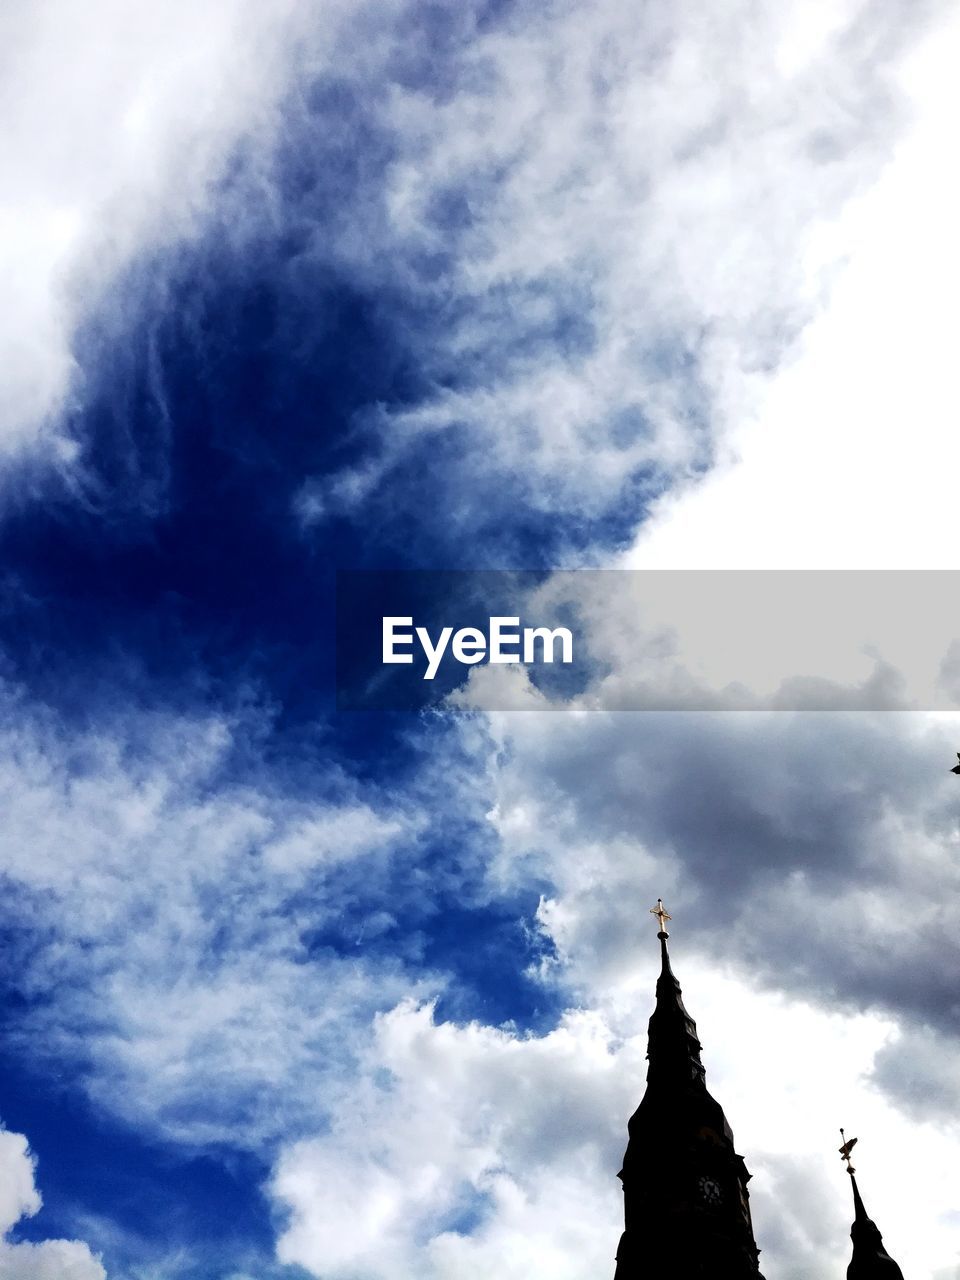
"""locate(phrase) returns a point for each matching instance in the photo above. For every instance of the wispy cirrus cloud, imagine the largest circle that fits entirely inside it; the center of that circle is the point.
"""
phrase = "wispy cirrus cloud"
(186, 941)
(620, 226)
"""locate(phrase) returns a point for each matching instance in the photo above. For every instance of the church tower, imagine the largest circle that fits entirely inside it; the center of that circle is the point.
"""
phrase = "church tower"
(870, 1259)
(686, 1206)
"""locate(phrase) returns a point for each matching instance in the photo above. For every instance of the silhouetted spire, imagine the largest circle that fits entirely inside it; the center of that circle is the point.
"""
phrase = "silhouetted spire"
(673, 1049)
(870, 1259)
(683, 1182)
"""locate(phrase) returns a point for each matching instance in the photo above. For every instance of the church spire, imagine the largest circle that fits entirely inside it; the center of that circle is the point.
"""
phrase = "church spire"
(683, 1181)
(673, 1049)
(870, 1259)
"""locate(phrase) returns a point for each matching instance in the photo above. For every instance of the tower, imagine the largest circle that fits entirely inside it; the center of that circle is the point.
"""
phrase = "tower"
(870, 1259)
(686, 1205)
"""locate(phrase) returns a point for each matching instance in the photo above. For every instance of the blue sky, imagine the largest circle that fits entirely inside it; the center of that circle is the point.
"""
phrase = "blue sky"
(300, 288)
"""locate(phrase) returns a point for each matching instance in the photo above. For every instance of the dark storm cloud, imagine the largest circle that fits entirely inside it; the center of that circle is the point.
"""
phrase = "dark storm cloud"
(921, 1070)
(818, 851)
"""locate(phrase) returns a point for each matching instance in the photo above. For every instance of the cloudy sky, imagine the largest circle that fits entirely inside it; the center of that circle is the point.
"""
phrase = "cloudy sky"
(313, 285)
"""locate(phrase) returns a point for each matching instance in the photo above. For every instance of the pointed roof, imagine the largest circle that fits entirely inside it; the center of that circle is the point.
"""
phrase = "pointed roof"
(673, 1047)
(870, 1259)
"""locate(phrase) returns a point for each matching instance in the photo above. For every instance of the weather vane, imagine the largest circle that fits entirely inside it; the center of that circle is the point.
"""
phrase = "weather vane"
(661, 915)
(845, 1152)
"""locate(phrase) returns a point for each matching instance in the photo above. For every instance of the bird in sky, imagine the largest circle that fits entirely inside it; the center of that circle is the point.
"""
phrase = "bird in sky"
(956, 767)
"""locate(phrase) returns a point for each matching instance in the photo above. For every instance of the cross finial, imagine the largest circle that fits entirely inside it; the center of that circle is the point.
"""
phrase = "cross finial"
(845, 1152)
(661, 915)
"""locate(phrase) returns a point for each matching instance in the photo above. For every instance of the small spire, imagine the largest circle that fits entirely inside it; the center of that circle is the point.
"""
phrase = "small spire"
(870, 1259)
(662, 917)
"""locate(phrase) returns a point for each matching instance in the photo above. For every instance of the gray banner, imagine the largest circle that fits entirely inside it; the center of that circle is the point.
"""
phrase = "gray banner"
(636, 640)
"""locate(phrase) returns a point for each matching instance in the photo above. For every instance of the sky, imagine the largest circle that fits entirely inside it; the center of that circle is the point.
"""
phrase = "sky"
(290, 290)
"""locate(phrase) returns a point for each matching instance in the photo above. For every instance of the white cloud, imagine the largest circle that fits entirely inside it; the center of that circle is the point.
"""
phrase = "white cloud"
(449, 1125)
(49, 1260)
(18, 1195)
(467, 1150)
(344, 833)
(19, 1198)
(846, 455)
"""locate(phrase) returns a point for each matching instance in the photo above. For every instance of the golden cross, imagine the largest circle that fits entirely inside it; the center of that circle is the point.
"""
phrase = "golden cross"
(661, 915)
(845, 1151)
